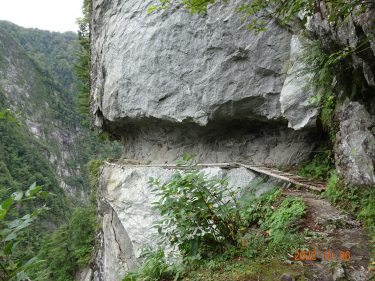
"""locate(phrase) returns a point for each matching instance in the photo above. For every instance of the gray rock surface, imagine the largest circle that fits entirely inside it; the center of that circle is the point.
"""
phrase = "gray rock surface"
(127, 216)
(296, 94)
(261, 145)
(84, 274)
(187, 68)
(355, 145)
(355, 33)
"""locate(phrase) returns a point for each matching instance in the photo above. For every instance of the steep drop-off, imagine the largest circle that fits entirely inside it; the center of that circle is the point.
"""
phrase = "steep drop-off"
(48, 144)
(170, 83)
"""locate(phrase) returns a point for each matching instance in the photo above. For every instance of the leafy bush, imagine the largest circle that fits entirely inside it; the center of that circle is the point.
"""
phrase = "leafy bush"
(12, 267)
(274, 215)
(319, 167)
(201, 211)
(255, 209)
(283, 221)
(203, 217)
(209, 225)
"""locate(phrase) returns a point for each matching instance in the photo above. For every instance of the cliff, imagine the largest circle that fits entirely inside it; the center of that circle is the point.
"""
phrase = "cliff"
(170, 83)
(203, 78)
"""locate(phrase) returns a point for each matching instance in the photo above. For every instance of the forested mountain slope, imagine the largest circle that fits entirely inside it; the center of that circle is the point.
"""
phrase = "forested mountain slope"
(48, 145)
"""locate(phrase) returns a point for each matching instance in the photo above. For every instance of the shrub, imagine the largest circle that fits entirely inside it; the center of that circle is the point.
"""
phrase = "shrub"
(12, 266)
(283, 221)
(202, 211)
(319, 167)
(154, 268)
(201, 215)
(278, 217)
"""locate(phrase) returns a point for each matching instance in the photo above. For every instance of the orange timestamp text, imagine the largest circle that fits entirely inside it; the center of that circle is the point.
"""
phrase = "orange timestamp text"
(328, 255)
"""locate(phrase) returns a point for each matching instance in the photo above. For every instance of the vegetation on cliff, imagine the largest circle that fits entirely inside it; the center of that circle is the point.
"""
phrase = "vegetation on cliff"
(211, 225)
(44, 142)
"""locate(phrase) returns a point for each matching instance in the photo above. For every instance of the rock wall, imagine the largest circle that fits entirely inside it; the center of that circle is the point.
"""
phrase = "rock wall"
(174, 83)
(354, 88)
(355, 145)
(181, 68)
(179, 83)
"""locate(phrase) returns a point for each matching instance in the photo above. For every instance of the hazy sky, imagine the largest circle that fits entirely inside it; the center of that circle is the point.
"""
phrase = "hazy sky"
(55, 15)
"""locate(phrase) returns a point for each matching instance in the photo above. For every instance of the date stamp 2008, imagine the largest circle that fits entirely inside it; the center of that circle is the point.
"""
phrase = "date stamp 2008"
(328, 255)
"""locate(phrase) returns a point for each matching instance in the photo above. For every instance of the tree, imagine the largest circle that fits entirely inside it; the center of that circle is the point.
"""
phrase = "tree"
(82, 67)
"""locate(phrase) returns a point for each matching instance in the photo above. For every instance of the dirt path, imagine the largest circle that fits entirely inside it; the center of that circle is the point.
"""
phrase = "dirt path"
(339, 248)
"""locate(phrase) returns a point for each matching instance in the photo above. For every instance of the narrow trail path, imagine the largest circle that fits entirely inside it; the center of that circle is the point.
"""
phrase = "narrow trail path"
(271, 172)
(338, 248)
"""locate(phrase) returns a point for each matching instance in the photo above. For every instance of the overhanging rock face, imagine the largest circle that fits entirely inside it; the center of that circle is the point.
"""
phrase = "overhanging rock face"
(183, 68)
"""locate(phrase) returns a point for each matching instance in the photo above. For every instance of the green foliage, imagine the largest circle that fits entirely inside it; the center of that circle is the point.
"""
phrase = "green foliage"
(70, 247)
(22, 163)
(358, 201)
(320, 166)
(324, 67)
(194, 6)
(205, 220)
(82, 66)
(56, 249)
(276, 216)
(12, 265)
(261, 12)
(7, 115)
(367, 215)
(154, 268)
(53, 52)
(327, 66)
(255, 209)
(284, 220)
(94, 172)
(333, 193)
(44, 62)
(241, 268)
(202, 209)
